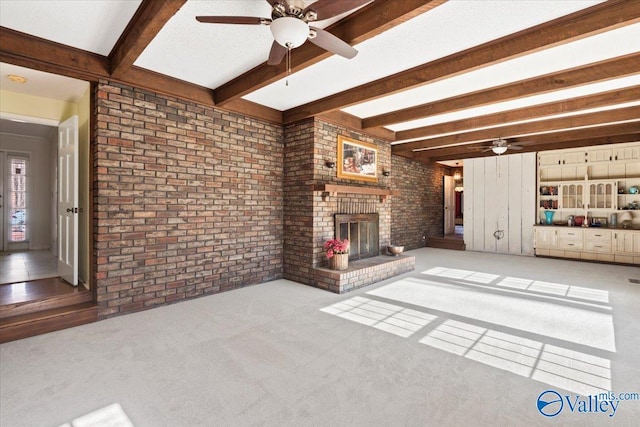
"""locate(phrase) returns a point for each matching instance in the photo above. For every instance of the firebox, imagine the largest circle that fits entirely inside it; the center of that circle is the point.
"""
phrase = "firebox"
(362, 230)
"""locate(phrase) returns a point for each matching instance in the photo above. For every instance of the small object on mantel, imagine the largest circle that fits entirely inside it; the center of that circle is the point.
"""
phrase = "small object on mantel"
(395, 250)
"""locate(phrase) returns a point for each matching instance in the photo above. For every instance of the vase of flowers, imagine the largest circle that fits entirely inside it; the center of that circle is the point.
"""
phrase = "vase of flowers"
(337, 253)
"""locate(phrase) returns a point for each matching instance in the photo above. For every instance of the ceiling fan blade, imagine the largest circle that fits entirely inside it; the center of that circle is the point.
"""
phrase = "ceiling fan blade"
(326, 9)
(277, 53)
(248, 20)
(333, 44)
(514, 147)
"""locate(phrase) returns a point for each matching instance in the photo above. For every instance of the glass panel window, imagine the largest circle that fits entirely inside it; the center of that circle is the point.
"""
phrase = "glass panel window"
(18, 178)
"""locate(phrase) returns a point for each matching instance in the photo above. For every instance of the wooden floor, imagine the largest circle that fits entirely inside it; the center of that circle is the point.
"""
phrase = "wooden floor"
(39, 306)
(21, 292)
(453, 241)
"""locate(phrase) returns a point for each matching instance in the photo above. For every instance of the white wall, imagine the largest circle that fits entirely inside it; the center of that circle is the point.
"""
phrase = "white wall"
(39, 185)
(500, 199)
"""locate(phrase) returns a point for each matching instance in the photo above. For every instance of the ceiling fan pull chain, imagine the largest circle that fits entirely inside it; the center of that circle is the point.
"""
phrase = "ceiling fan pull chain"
(288, 64)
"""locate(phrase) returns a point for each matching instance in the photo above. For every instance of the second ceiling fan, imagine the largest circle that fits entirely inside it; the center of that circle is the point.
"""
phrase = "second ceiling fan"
(500, 146)
(290, 27)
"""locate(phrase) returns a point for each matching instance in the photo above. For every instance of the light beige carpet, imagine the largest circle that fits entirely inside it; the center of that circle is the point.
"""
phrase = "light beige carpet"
(466, 339)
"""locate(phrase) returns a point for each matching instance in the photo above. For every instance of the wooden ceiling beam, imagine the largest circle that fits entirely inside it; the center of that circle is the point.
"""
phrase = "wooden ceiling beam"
(147, 22)
(535, 127)
(368, 22)
(599, 71)
(350, 121)
(616, 139)
(39, 54)
(33, 52)
(611, 133)
(612, 97)
(587, 22)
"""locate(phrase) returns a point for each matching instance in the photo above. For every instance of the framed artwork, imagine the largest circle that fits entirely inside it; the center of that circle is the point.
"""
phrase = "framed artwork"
(357, 160)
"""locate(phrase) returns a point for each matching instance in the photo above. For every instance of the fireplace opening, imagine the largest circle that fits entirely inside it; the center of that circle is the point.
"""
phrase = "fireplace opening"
(362, 230)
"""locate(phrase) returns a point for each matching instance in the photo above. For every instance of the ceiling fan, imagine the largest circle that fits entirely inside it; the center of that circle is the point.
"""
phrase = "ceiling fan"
(290, 27)
(500, 146)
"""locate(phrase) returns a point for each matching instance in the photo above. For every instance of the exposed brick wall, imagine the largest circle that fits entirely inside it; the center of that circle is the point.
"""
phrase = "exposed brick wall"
(418, 211)
(298, 200)
(187, 199)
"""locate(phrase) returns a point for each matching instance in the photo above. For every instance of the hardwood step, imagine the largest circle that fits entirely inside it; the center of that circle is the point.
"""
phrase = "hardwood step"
(445, 243)
(37, 295)
(49, 320)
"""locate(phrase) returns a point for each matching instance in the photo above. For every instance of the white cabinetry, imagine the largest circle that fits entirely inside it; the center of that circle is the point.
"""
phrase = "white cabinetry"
(631, 152)
(570, 238)
(546, 237)
(602, 195)
(595, 244)
(594, 183)
(626, 246)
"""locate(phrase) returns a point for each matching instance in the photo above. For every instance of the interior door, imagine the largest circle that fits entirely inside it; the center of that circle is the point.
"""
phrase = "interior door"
(449, 204)
(68, 200)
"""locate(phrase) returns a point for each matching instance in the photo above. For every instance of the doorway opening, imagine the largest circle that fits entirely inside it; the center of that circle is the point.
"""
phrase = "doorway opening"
(454, 201)
(27, 188)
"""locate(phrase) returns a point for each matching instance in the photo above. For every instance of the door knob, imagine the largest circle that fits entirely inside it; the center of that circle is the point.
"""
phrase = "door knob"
(70, 210)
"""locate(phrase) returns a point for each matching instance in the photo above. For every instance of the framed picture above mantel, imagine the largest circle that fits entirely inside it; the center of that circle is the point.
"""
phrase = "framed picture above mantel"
(357, 160)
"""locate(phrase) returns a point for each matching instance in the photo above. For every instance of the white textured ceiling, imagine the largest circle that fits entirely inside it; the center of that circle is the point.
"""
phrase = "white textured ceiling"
(456, 25)
(213, 54)
(93, 25)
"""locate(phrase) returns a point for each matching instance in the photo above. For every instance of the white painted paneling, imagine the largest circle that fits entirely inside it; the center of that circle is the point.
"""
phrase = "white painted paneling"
(491, 194)
(467, 214)
(514, 238)
(478, 206)
(502, 203)
(502, 191)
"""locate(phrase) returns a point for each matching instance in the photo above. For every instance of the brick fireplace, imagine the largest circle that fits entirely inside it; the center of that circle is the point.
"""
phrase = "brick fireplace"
(362, 232)
(313, 195)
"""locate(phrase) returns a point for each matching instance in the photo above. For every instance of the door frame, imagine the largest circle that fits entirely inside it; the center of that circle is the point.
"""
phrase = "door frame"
(449, 203)
(33, 120)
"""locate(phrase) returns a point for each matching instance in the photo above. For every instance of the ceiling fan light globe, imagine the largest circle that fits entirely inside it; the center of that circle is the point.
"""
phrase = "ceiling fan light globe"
(499, 149)
(289, 32)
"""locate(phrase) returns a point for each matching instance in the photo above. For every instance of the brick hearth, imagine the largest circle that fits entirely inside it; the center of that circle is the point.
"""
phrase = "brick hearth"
(362, 273)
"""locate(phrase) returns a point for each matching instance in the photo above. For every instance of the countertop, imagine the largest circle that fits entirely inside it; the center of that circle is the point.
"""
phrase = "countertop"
(632, 228)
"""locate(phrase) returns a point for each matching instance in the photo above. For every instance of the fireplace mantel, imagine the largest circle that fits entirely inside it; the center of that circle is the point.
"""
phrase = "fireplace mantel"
(334, 189)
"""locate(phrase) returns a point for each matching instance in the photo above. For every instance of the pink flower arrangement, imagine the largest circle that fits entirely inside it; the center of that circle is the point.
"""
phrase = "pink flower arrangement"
(336, 246)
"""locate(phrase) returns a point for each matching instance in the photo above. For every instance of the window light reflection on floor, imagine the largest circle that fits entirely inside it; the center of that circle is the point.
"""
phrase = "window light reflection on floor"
(390, 318)
(551, 288)
(556, 366)
(456, 273)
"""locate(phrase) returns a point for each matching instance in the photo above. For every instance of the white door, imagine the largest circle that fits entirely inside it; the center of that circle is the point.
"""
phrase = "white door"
(449, 204)
(68, 200)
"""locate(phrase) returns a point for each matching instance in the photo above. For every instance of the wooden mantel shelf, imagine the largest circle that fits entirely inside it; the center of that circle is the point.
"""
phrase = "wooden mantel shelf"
(334, 189)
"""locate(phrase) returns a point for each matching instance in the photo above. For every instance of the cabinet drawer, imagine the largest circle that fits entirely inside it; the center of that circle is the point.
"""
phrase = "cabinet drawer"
(598, 235)
(597, 246)
(570, 234)
(570, 245)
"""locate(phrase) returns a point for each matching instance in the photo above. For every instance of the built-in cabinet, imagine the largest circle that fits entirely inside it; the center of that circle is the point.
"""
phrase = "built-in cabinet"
(595, 244)
(596, 183)
(592, 182)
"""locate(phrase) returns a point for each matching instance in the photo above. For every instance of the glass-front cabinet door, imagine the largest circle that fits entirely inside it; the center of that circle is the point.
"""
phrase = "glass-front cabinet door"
(602, 195)
(571, 195)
